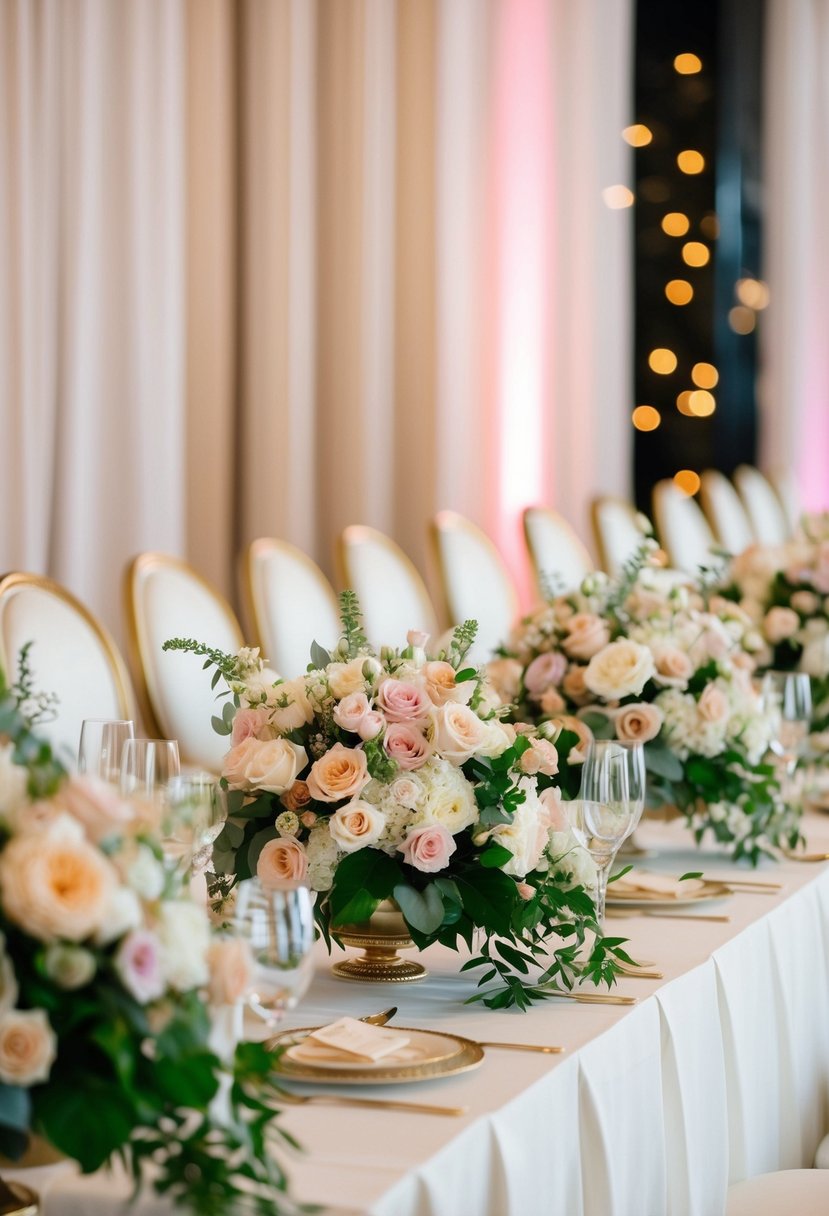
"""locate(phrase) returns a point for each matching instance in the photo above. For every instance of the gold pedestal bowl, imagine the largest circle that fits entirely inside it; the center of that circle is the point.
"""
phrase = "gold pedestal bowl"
(380, 937)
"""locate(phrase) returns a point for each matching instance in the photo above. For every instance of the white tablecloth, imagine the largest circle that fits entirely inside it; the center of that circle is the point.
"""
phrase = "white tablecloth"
(720, 1072)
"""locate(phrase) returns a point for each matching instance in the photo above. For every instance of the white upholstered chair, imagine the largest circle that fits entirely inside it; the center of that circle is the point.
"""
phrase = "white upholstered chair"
(616, 531)
(72, 656)
(784, 1193)
(291, 603)
(725, 512)
(683, 530)
(785, 487)
(764, 509)
(558, 558)
(475, 582)
(392, 594)
(165, 598)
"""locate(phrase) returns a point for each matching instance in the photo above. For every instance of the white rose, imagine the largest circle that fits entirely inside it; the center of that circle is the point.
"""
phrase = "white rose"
(449, 797)
(526, 835)
(498, 736)
(356, 825)
(456, 732)
(28, 1047)
(123, 914)
(145, 874)
(621, 669)
(345, 678)
(184, 932)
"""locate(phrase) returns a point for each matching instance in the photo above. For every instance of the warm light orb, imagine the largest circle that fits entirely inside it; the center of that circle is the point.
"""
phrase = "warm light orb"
(742, 320)
(662, 361)
(691, 162)
(705, 375)
(617, 197)
(753, 293)
(694, 253)
(675, 223)
(679, 291)
(701, 403)
(687, 481)
(637, 135)
(683, 403)
(646, 418)
(687, 64)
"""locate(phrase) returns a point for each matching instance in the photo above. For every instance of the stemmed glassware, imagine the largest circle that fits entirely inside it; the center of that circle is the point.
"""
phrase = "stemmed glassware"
(610, 805)
(278, 925)
(192, 816)
(787, 697)
(147, 765)
(101, 745)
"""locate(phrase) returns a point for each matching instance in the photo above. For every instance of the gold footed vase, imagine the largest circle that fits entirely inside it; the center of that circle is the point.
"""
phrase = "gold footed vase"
(379, 938)
(40, 1165)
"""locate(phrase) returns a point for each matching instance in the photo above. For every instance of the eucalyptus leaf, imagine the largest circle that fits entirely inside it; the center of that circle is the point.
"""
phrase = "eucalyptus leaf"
(423, 910)
(319, 655)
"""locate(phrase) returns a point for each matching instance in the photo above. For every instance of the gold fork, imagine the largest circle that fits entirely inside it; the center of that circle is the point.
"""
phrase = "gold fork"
(626, 914)
(594, 998)
(416, 1108)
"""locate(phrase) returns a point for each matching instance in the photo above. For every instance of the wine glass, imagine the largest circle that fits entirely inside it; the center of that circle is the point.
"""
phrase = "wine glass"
(608, 809)
(278, 925)
(192, 817)
(787, 697)
(101, 744)
(637, 782)
(147, 765)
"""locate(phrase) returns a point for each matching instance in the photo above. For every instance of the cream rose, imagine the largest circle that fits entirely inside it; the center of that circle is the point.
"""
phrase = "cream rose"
(28, 1047)
(780, 623)
(356, 825)
(441, 684)
(282, 863)
(713, 704)
(271, 765)
(350, 712)
(498, 736)
(587, 634)
(806, 602)
(402, 701)
(578, 754)
(290, 707)
(55, 886)
(340, 773)
(456, 732)
(231, 967)
(345, 678)
(638, 723)
(621, 669)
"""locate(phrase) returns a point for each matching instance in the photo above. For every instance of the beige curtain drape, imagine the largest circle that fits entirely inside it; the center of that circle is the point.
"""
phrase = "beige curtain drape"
(276, 266)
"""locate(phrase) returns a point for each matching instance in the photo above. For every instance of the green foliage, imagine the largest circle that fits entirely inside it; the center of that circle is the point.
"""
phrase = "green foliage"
(227, 665)
(354, 640)
(461, 642)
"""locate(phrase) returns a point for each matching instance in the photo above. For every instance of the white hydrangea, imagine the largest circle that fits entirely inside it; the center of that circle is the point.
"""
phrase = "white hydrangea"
(184, 932)
(323, 855)
(448, 796)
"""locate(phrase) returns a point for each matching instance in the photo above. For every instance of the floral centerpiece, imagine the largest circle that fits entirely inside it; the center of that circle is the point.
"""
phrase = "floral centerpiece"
(393, 777)
(643, 658)
(105, 963)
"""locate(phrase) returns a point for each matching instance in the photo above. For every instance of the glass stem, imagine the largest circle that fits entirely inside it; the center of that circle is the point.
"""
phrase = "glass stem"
(602, 875)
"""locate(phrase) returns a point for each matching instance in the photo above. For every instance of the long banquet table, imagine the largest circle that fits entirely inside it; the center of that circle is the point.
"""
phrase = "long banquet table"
(718, 1073)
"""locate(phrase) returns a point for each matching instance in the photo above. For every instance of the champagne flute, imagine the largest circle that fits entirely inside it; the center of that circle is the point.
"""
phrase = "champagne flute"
(193, 815)
(101, 744)
(787, 696)
(606, 811)
(278, 925)
(147, 765)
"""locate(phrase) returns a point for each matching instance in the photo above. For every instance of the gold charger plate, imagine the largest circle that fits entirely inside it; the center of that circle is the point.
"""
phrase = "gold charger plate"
(706, 893)
(460, 1055)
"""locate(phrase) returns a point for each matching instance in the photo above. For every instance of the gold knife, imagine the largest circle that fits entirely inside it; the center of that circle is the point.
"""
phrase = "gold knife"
(618, 914)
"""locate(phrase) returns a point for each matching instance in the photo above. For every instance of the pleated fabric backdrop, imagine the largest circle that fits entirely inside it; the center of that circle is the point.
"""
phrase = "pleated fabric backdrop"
(276, 266)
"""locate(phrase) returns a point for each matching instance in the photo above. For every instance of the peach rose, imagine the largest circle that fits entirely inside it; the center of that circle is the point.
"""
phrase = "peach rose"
(55, 886)
(289, 704)
(556, 815)
(340, 773)
(575, 687)
(356, 825)
(428, 848)
(271, 764)
(620, 669)
(28, 1047)
(505, 677)
(552, 702)
(586, 635)
(780, 623)
(456, 732)
(407, 745)
(350, 712)
(282, 863)
(441, 685)
(402, 701)
(345, 678)
(673, 667)
(545, 670)
(805, 602)
(250, 724)
(371, 725)
(561, 722)
(713, 704)
(95, 805)
(296, 797)
(231, 970)
(638, 723)
(540, 757)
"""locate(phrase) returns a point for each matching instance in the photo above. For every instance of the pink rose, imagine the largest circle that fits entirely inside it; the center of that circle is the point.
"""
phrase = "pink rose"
(138, 963)
(428, 848)
(556, 816)
(586, 635)
(525, 891)
(780, 623)
(407, 745)
(638, 723)
(402, 701)
(540, 757)
(96, 806)
(371, 725)
(340, 773)
(350, 712)
(713, 704)
(250, 724)
(282, 863)
(544, 671)
(356, 825)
